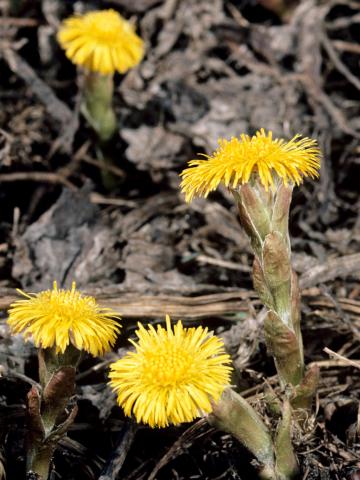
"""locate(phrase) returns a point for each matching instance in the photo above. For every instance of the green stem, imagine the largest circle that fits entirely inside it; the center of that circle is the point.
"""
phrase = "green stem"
(45, 409)
(97, 106)
(39, 461)
(235, 415)
(264, 216)
(274, 453)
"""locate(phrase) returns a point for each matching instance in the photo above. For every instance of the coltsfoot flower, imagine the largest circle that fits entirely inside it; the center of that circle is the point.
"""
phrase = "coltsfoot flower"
(237, 159)
(173, 375)
(101, 41)
(56, 318)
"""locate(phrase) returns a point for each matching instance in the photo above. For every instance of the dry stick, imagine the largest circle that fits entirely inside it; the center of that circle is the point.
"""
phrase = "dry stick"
(102, 165)
(55, 107)
(341, 67)
(352, 363)
(86, 456)
(177, 447)
(42, 177)
(205, 259)
(18, 22)
(115, 463)
(333, 111)
(137, 305)
(349, 306)
(344, 22)
(312, 23)
(2, 465)
(346, 46)
(345, 265)
(252, 392)
(139, 472)
(4, 371)
(98, 199)
(342, 315)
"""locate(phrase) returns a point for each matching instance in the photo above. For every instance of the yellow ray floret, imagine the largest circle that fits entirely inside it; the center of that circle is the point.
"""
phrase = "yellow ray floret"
(101, 41)
(172, 376)
(238, 159)
(56, 318)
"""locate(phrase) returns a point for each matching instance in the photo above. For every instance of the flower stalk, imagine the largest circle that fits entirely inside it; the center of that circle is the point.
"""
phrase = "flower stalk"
(264, 215)
(47, 418)
(101, 43)
(273, 452)
(62, 323)
(261, 172)
(97, 106)
(235, 415)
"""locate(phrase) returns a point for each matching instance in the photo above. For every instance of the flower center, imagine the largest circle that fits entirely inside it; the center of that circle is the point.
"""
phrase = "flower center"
(168, 367)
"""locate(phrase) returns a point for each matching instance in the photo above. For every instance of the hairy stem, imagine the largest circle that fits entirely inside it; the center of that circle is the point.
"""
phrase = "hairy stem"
(46, 418)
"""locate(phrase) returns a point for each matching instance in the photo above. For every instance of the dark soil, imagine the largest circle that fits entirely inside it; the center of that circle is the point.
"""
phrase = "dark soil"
(213, 69)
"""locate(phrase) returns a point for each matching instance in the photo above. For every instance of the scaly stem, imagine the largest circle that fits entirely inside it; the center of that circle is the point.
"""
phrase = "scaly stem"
(235, 415)
(274, 453)
(45, 408)
(264, 215)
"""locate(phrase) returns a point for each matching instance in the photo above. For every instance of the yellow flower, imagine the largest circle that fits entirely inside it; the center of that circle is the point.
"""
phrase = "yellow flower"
(237, 160)
(173, 375)
(60, 317)
(101, 41)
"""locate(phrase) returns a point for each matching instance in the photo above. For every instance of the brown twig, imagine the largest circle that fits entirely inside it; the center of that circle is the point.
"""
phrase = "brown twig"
(178, 446)
(42, 177)
(118, 202)
(346, 46)
(347, 361)
(115, 463)
(337, 267)
(341, 313)
(56, 108)
(205, 259)
(18, 22)
(340, 66)
(154, 305)
(103, 166)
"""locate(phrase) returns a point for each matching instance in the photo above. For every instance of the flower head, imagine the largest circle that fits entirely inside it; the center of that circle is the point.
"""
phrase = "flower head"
(238, 159)
(172, 376)
(56, 318)
(101, 41)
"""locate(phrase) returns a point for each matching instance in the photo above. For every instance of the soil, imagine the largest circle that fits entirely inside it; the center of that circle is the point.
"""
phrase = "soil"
(212, 69)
